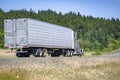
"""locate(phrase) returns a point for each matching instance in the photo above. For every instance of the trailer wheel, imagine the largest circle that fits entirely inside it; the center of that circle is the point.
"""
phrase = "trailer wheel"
(19, 54)
(43, 53)
(80, 55)
(67, 53)
(71, 53)
(40, 53)
(55, 55)
(26, 55)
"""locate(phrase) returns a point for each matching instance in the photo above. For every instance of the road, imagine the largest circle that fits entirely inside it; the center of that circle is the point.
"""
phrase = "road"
(115, 54)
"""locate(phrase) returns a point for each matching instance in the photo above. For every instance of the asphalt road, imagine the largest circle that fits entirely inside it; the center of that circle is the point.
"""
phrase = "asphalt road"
(113, 54)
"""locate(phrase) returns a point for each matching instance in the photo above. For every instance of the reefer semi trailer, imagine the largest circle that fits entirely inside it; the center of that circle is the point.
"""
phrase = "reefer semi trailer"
(39, 38)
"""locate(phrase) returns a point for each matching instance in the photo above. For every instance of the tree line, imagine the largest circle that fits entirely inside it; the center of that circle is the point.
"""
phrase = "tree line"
(94, 33)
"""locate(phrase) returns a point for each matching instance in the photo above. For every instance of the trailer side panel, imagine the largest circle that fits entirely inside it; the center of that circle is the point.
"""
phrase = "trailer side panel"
(42, 34)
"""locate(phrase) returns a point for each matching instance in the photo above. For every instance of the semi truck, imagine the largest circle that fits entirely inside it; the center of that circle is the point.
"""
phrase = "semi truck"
(29, 36)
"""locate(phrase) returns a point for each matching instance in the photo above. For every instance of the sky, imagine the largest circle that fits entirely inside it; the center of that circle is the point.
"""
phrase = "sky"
(95, 8)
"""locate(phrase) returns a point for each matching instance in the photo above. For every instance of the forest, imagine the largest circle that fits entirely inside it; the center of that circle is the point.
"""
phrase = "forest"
(94, 33)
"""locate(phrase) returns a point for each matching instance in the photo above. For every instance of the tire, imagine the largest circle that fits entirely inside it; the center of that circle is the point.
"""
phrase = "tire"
(54, 55)
(22, 54)
(39, 53)
(26, 55)
(19, 54)
(67, 53)
(71, 53)
(80, 55)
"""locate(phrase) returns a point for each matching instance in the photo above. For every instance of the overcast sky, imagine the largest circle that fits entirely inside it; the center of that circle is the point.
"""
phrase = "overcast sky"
(101, 8)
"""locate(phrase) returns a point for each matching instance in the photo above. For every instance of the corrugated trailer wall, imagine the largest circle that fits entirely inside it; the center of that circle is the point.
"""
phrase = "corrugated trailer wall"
(42, 34)
(33, 33)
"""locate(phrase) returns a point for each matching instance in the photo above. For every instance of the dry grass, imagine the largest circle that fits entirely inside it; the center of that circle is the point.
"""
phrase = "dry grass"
(100, 72)
(6, 53)
(109, 71)
(90, 68)
(13, 74)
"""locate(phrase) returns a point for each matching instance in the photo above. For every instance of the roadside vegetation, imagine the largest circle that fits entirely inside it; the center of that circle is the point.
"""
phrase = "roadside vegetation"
(5, 53)
(13, 74)
(102, 71)
(95, 34)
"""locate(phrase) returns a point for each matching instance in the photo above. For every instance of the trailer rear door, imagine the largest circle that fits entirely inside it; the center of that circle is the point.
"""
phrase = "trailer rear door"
(9, 28)
(21, 33)
(15, 33)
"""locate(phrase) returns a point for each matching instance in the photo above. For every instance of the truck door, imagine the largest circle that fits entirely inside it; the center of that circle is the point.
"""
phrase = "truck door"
(9, 29)
(15, 33)
(21, 33)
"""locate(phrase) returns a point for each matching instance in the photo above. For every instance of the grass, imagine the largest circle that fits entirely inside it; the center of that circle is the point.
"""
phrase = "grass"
(13, 74)
(6, 53)
(107, 71)
(100, 72)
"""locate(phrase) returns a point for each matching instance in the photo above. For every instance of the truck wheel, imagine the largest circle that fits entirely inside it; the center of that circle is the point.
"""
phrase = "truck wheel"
(26, 55)
(71, 53)
(67, 53)
(80, 55)
(40, 53)
(22, 54)
(43, 53)
(54, 55)
(36, 52)
(19, 54)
